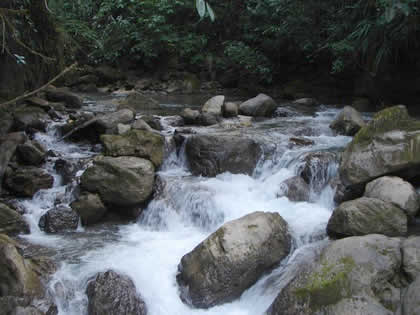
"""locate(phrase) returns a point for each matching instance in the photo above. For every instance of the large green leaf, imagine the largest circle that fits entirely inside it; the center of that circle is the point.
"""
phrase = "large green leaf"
(201, 7)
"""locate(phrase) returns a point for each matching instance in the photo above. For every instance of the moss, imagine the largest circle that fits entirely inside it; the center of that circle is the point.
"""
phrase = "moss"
(329, 285)
(252, 226)
(393, 118)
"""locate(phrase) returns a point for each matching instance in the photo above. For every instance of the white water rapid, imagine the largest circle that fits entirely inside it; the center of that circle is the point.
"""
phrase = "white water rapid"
(185, 212)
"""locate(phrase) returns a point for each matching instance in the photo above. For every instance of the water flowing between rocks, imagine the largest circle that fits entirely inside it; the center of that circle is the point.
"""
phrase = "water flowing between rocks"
(184, 211)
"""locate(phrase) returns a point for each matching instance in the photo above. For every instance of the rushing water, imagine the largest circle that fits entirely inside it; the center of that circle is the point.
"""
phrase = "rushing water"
(186, 210)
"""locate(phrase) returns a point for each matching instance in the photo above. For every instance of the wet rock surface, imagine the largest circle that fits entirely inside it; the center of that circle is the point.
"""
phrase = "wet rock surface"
(11, 222)
(209, 155)
(58, 220)
(114, 294)
(348, 122)
(26, 181)
(231, 259)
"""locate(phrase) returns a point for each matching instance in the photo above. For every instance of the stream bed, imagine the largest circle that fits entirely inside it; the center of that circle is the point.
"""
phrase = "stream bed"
(186, 210)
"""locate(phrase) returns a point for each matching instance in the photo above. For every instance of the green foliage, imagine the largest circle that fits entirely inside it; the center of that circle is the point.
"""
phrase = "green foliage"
(259, 38)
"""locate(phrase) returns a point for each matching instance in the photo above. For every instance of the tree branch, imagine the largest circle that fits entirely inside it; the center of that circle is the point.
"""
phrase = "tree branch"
(42, 87)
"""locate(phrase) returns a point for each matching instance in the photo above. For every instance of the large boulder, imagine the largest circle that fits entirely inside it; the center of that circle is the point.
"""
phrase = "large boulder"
(90, 208)
(31, 153)
(260, 106)
(367, 216)
(30, 117)
(395, 190)
(389, 144)
(114, 294)
(232, 259)
(209, 155)
(295, 188)
(140, 143)
(58, 220)
(214, 105)
(18, 276)
(355, 275)
(8, 145)
(121, 181)
(104, 124)
(411, 301)
(62, 95)
(6, 121)
(139, 103)
(26, 181)
(11, 222)
(411, 256)
(348, 122)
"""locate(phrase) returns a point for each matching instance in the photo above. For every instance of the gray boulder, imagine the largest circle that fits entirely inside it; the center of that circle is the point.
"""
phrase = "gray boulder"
(31, 153)
(260, 106)
(209, 155)
(140, 124)
(348, 122)
(355, 275)
(123, 128)
(411, 256)
(121, 181)
(389, 144)
(190, 116)
(30, 117)
(295, 188)
(153, 121)
(138, 103)
(90, 208)
(11, 222)
(230, 109)
(104, 124)
(214, 105)
(395, 190)
(231, 259)
(367, 216)
(18, 276)
(411, 301)
(26, 181)
(140, 143)
(58, 220)
(62, 95)
(114, 294)
(8, 145)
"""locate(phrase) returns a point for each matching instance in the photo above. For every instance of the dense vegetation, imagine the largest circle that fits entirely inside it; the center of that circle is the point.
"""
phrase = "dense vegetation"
(261, 40)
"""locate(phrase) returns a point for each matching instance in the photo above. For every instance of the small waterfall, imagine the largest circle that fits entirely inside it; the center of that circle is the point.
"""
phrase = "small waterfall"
(185, 210)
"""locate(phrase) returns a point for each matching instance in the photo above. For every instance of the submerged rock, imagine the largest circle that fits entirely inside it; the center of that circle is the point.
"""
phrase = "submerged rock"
(11, 222)
(389, 144)
(26, 181)
(367, 216)
(114, 294)
(232, 259)
(90, 208)
(260, 106)
(121, 181)
(355, 275)
(395, 190)
(348, 122)
(317, 167)
(209, 155)
(58, 220)
(295, 188)
(140, 143)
